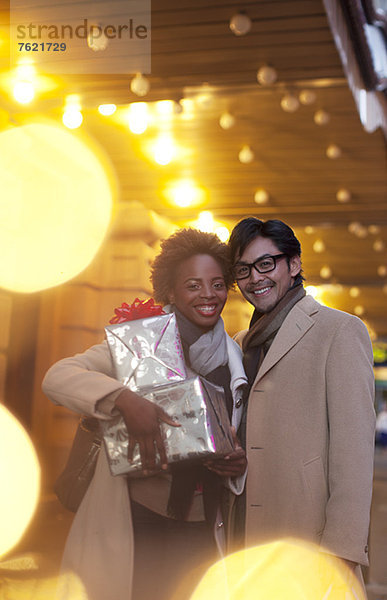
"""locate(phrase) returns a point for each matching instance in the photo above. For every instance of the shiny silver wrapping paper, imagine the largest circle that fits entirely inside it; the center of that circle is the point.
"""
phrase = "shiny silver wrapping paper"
(200, 409)
(147, 353)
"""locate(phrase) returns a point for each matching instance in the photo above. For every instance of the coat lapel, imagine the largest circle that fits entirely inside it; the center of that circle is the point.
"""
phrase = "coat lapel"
(294, 327)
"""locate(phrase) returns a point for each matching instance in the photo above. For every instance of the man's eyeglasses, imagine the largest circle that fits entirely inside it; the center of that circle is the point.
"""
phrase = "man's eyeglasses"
(262, 265)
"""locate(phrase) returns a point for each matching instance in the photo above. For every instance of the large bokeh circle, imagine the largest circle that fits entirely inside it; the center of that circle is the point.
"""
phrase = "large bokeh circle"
(19, 480)
(55, 206)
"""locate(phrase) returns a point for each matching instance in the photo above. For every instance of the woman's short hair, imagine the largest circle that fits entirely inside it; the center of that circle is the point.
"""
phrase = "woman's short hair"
(177, 248)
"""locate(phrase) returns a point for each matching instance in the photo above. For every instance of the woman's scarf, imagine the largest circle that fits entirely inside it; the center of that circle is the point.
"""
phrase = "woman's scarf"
(206, 353)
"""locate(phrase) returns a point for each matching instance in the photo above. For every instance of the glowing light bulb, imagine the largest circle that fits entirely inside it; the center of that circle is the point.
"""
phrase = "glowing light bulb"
(246, 155)
(266, 75)
(222, 232)
(343, 195)
(96, 38)
(354, 292)
(107, 109)
(325, 272)
(140, 85)
(333, 151)
(359, 310)
(379, 245)
(165, 108)
(72, 118)
(226, 120)
(24, 92)
(289, 103)
(382, 271)
(184, 193)
(138, 117)
(321, 117)
(240, 24)
(307, 97)
(261, 196)
(164, 150)
(319, 246)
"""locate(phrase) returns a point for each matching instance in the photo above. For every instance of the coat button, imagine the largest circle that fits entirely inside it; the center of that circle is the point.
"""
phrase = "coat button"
(220, 524)
(238, 403)
(366, 549)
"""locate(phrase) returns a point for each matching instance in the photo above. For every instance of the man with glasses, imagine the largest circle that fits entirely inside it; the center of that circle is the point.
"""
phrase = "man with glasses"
(309, 419)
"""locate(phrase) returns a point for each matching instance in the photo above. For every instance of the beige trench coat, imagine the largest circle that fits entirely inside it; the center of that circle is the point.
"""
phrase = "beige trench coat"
(310, 434)
(99, 548)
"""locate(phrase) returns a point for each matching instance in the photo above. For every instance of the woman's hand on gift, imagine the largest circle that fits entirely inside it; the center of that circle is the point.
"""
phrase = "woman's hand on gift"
(142, 419)
(232, 465)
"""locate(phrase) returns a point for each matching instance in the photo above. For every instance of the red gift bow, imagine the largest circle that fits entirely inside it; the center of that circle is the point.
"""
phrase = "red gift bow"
(139, 309)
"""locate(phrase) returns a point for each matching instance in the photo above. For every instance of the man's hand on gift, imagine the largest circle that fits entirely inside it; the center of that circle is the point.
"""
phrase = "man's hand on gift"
(142, 419)
(232, 465)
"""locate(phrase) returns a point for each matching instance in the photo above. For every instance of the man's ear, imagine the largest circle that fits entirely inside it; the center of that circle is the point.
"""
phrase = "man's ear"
(295, 265)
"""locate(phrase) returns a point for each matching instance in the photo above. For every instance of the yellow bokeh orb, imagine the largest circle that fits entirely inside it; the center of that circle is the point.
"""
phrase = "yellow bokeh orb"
(19, 480)
(282, 570)
(55, 206)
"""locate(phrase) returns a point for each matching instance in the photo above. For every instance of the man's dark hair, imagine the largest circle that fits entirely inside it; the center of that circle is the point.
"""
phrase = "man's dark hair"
(179, 247)
(251, 227)
(281, 234)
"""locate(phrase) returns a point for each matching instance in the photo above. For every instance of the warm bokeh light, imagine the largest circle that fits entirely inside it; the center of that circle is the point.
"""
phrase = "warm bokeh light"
(206, 222)
(281, 570)
(107, 109)
(165, 107)
(246, 155)
(184, 193)
(55, 206)
(164, 149)
(24, 578)
(318, 246)
(24, 92)
(19, 480)
(138, 117)
(140, 85)
(261, 196)
(72, 118)
(222, 232)
(312, 290)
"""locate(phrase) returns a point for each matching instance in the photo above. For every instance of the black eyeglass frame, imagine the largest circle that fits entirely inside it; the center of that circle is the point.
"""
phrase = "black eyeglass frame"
(254, 264)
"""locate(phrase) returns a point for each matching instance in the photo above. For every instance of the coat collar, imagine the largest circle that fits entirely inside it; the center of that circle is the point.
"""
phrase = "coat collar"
(299, 320)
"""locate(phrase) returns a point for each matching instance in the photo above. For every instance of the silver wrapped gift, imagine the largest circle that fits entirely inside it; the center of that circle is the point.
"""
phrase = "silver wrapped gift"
(198, 406)
(147, 353)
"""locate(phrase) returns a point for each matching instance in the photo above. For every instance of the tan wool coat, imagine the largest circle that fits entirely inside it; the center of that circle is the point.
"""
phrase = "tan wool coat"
(310, 434)
(100, 545)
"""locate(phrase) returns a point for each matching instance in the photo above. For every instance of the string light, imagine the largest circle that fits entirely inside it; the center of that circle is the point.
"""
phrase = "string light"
(343, 195)
(266, 75)
(139, 85)
(246, 155)
(226, 120)
(138, 117)
(307, 97)
(289, 103)
(333, 151)
(107, 109)
(261, 196)
(321, 117)
(72, 116)
(240, 24)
